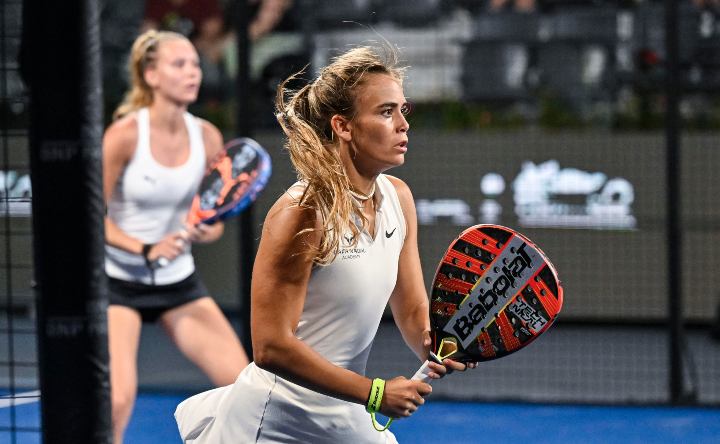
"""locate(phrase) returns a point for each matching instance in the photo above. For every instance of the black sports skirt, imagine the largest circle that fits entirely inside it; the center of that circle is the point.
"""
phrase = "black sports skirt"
(153, 300)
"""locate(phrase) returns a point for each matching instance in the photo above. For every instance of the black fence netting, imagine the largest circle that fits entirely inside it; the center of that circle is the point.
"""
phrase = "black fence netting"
(548, 117)
(18, 356)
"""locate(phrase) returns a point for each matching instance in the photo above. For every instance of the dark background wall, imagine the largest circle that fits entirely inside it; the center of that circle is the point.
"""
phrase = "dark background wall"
(612, 266)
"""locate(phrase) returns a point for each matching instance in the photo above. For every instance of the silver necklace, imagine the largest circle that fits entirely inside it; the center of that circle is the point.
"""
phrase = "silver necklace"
(363, 197)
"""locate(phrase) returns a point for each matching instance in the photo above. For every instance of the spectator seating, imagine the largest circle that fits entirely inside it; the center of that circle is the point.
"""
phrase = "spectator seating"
(422, 13)
(497, 60)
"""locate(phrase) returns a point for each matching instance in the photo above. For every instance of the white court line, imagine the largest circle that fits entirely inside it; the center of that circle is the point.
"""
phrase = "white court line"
(20, 399)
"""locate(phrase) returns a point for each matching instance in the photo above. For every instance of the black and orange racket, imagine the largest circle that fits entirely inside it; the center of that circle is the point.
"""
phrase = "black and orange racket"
(494, 293)
(232, 182)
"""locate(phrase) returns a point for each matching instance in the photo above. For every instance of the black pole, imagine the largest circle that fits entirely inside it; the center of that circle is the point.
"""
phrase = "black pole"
(673, 169)
(61, 65)
(246, 237)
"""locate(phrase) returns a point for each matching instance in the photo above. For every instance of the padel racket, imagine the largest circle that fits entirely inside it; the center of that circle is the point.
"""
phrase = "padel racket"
(494, 292)
(233, 180)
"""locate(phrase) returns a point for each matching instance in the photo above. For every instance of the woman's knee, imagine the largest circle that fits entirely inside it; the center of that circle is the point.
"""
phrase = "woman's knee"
(122, 405)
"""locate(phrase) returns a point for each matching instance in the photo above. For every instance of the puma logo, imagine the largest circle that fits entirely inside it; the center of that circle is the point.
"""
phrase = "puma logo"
(389, 235)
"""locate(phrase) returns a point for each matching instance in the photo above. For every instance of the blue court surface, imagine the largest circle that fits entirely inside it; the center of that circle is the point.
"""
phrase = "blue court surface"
(442, 421)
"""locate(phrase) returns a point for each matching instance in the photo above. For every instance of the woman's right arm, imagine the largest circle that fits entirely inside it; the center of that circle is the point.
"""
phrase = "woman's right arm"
(119, 144)
(279, 284)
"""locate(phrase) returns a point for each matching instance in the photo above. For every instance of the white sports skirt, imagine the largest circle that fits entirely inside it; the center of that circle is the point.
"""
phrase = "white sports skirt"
(261, 407)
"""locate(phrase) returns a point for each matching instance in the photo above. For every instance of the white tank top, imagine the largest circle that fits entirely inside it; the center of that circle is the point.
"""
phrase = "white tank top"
(152, 200)
(344, 304)
(348, 296)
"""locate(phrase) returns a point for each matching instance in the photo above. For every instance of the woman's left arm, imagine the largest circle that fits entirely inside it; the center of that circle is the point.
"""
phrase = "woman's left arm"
(409, 301)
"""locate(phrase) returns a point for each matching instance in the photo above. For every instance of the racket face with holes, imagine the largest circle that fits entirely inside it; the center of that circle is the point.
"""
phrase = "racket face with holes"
(493, 293)
(232, 182)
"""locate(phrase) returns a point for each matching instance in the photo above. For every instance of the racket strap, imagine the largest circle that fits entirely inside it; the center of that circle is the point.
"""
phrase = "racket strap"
(151, 266)
(375, 401)
(379, 427)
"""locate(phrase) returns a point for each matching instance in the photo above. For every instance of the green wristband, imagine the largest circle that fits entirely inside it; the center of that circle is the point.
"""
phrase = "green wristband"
(376, 394)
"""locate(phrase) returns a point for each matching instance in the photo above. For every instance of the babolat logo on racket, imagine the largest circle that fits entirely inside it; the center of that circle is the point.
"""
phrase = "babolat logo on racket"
(509, 272)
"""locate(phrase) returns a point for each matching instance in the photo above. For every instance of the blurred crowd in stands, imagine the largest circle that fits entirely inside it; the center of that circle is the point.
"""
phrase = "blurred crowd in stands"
(208, 24)
(579, 56)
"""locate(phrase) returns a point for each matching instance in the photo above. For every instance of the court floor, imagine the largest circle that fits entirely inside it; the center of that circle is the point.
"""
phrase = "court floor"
(600, 366)
(439, 421)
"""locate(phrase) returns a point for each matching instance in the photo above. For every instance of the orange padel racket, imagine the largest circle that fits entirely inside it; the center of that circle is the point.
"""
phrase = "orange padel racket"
(232, 182)
(494, 292)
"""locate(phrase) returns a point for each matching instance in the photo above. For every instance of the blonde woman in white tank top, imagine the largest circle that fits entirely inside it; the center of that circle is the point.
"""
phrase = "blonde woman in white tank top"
(335, 250)
(154, 156)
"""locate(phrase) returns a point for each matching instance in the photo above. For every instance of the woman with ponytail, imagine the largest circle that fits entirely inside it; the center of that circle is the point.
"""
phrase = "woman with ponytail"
(336, 248)
(154, 156)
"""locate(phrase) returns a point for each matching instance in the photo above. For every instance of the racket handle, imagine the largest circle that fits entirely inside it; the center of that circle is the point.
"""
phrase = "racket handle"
(162, 261)
(423, 373)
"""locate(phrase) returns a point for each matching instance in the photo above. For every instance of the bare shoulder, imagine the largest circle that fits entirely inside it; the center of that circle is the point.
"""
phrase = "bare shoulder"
(402, 188)
(287, 217)
(287, 211)
(212, 137)
(120, 139)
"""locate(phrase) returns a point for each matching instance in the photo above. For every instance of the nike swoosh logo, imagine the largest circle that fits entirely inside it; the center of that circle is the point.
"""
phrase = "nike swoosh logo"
(389, 235)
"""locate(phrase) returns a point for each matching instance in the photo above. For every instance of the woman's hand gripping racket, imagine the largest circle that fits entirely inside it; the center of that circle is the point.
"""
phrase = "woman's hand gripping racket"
(233, 180)
(493, 293)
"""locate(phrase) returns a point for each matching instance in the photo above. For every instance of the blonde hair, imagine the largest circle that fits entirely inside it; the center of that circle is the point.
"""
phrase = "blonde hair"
(305, 118)
(143, 55)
